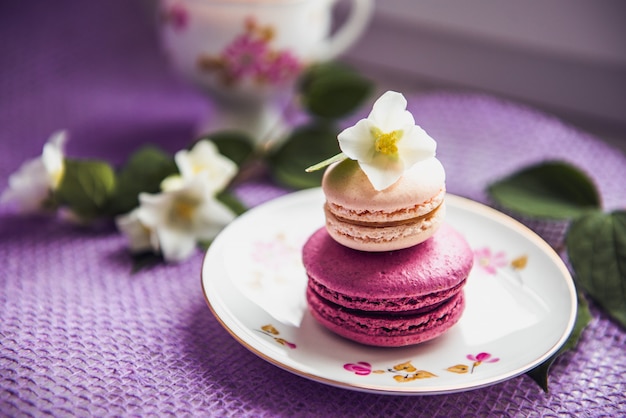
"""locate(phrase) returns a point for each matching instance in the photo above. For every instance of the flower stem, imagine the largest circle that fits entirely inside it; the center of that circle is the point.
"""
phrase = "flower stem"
(339, 157)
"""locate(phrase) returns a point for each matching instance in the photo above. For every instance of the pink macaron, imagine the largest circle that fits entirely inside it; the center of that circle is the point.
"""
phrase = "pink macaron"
(391, 298)
(403, 215)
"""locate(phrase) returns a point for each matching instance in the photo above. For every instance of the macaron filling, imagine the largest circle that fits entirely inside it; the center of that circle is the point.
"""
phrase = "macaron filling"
(389, 236)
(333, 211)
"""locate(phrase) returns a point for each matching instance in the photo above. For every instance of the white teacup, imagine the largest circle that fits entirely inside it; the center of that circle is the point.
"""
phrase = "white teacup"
(246, 52)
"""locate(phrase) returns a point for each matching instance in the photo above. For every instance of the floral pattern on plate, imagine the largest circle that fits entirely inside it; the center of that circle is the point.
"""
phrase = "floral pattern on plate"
(491, 262)
(273, 333)
(407, 372)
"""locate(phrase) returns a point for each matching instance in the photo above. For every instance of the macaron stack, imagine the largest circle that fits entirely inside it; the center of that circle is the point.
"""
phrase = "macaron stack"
(386, 270)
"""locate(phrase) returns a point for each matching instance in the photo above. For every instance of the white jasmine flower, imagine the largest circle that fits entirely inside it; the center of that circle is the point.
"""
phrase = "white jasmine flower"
(31, 184)
(140, 238)
(387, 142)
(186, 211)
(182, 216)
(204, 159)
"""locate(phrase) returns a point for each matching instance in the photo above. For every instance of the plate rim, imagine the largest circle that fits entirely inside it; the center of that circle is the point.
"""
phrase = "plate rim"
(455, 200)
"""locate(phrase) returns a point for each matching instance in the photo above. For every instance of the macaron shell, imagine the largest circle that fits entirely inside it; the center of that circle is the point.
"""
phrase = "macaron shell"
(350, 194)
(392, 298)
(438, 264)
(387, 331)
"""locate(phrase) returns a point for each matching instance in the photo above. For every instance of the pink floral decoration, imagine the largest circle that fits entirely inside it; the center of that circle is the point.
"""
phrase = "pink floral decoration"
(251, 56)
(273, 333)
(361, 368)
(283, 67)
(243, 56)
(489, 261)
(480, 358)
(177, 16)
(286, 343)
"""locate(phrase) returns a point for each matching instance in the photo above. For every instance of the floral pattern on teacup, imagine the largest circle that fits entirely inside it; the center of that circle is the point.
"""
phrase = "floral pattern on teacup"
(251, 57)
(176, 16)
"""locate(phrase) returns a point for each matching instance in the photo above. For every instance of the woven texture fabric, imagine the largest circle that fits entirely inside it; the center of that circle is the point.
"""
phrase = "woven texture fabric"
(81, 336)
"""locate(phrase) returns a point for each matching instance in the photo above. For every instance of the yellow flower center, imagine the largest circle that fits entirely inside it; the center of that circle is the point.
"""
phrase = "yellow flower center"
(386, 142)
(197, 168)
(184, 209)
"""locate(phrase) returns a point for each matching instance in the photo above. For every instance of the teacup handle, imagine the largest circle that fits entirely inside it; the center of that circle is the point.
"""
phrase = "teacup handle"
(360, 13)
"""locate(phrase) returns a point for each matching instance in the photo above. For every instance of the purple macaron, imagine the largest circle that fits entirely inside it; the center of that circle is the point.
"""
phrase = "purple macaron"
(392, 298)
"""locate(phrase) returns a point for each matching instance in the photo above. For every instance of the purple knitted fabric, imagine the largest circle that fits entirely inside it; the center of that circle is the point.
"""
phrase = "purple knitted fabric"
(81, 336)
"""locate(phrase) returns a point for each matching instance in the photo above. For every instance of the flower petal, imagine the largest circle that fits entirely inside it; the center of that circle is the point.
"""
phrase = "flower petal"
(53, 157)
(138, 234)
(212, 217)
(175, 245)
(28, 187)
(482, 356)
(382, 172)
(153, 208)
(204, 159)
(173, 182)
(389, 112)
(357, 142)
(416, 145)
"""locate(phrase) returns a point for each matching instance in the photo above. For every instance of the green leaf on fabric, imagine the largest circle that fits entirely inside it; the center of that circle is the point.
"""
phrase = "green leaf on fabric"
(232, 202)
(143, 172)
(204, 245)
(583, 316)
(555, 190)
(596, 246)
(307, 145)
(237, 146)
(332, 90)
(86, 187)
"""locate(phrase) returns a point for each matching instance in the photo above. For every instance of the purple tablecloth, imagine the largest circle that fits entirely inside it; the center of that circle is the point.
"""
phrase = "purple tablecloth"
(80, 335)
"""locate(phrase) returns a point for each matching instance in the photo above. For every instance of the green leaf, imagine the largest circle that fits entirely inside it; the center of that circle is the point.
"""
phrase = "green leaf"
(583, 316)
(232, 202)
(86, 187)
(596, 246)
(143, 172)
(307, 145)
(237, 146)
(332, 90)
(204, 245)
(555, 190)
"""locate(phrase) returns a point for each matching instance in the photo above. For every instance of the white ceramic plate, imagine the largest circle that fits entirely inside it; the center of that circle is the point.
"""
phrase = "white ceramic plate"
(521, 303)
